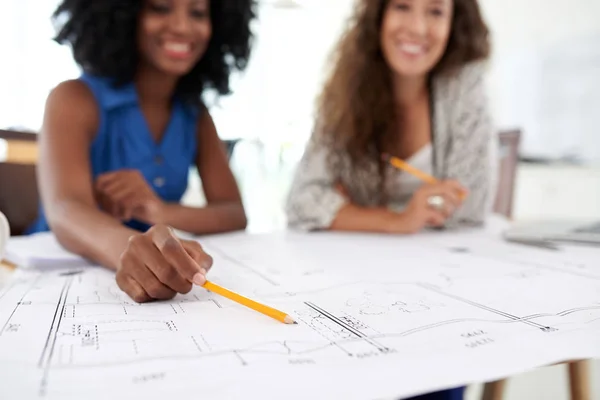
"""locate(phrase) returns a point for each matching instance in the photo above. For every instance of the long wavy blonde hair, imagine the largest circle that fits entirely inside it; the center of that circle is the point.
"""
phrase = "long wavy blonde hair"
(355, 110)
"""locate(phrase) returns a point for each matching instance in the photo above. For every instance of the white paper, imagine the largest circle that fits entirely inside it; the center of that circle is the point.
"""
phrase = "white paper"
(379, 317)
(40, 250)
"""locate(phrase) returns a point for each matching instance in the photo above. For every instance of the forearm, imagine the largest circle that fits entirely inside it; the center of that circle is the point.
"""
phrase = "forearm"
(214, 218)
(85, 230)
(359, 219)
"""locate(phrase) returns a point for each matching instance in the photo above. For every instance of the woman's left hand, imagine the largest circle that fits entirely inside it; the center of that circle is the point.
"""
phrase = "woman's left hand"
(125, 194)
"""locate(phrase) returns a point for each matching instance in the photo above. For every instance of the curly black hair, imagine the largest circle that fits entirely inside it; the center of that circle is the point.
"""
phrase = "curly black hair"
(102, 35)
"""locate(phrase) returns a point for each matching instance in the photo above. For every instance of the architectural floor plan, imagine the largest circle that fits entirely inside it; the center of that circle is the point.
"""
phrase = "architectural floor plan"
(377, 318)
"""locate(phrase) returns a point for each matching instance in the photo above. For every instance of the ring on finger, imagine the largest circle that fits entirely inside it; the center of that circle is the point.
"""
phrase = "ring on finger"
(436, 202)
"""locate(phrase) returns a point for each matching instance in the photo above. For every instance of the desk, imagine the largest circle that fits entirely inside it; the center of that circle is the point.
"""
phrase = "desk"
(425, 312)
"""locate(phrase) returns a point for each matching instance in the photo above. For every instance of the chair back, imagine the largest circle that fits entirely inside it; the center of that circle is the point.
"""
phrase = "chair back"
(19, 198)
(509, 158)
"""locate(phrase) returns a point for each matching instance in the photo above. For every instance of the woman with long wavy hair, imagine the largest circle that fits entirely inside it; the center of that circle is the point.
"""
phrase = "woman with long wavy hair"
(407, 81)
(117, 143)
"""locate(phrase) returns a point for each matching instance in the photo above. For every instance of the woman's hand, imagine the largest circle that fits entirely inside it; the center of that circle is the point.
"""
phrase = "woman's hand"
(157, 265)
(425, 208)
(125, 194)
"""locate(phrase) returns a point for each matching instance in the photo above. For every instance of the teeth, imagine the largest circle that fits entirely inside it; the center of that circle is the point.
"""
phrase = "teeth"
(177, 47)
(411, 48)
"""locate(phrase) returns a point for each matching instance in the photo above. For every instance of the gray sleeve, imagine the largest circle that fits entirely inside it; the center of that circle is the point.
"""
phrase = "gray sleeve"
(313, 202)
(473, 153)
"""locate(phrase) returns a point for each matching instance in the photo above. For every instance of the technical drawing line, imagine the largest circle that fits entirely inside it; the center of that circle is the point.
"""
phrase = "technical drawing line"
(8, 288)
(147, 330)
(289, 351)
(54, 331)
(205, 342)
(18, 304)
(559, 314)
(58, 304)
(284, 295)
(123, 321)
(234, 352)
(331, 343)
(237, 354)
(347, 327)
(336, 320)
(256, 348)
(557, 269)
(483, 307)
(563, 313)
(459, 320)
(196, 343)
(534, 264)
(226, 256)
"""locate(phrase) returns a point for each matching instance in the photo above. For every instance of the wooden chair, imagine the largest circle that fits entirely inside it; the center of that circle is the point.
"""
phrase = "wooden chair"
(509, 158)
(19, 198)
(18, 157)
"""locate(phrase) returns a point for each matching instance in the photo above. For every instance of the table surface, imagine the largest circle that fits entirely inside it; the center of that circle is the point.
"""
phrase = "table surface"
(7, 270)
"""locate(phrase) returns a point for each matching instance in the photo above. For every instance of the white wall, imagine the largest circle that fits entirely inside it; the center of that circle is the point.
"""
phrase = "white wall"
(32, 64)
(545, 74)
(274, 98)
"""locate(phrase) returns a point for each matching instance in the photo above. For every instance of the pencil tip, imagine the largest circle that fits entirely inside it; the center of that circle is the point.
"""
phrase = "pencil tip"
(385, 157)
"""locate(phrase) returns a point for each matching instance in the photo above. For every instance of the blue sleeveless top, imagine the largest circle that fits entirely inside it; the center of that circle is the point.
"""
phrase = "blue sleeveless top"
(124, 141)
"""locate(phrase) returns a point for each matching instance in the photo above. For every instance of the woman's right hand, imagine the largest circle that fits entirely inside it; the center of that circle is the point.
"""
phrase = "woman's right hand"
(419, 214)
(157, 265)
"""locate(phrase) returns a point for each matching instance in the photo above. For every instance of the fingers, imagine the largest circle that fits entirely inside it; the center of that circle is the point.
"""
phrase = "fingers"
(112, 186)
(157, 265)
(116, 190)
(151, 284)
(435, 218)
(162, 270)
(174, 253)
(121, 174)
(450, 205)
(450, 191)
(451, 197)
(120, 189)
(195, 250)
(134, 272)
(132, 288)
(456, 188)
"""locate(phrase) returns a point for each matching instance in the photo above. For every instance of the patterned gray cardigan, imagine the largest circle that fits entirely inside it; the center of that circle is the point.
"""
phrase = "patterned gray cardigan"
(464, 148)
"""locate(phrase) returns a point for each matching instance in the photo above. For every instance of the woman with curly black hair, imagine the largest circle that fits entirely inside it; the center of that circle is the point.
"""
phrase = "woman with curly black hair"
(117, 143)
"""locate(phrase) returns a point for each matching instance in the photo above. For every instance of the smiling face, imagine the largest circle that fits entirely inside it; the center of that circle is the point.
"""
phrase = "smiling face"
(414, 35)
(174, 34)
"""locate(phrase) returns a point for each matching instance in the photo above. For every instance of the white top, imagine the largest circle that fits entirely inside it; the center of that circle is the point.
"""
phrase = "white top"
(401, 185)
(464, 148)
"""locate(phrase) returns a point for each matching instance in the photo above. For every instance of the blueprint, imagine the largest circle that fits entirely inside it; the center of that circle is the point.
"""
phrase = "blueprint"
(378, 317)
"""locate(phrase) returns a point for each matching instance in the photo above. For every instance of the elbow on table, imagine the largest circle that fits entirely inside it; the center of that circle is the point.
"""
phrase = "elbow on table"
(242, 222)
(62, 227)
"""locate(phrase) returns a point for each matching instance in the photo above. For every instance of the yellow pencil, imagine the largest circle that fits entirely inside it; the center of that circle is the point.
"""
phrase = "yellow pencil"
(8, 265)
(261, 308)
(403, 165)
